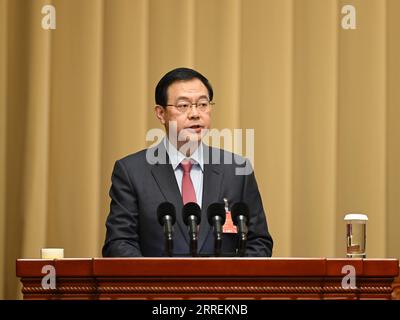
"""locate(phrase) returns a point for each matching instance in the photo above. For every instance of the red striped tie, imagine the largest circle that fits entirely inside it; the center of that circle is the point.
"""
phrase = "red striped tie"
(188, 193)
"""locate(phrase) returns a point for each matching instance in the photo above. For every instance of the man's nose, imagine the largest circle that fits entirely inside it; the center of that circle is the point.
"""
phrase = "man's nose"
(193, 112)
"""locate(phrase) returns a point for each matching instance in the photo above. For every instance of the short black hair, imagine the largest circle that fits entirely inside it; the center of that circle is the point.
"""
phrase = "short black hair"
(179, 74)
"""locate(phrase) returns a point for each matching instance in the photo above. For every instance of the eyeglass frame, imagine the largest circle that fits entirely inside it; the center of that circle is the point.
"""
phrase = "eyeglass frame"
(210, 103)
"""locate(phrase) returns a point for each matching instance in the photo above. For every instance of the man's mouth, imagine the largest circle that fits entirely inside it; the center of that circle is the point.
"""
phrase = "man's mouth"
(196, 126)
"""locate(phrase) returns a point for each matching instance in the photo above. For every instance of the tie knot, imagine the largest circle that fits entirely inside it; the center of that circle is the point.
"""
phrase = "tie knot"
(186, 165)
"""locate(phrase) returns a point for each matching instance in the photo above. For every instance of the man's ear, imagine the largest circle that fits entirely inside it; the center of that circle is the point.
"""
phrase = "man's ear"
(160, 113)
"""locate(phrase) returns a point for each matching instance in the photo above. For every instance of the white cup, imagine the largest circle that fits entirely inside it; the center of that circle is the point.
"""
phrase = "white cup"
(356, 234)
(52, 253)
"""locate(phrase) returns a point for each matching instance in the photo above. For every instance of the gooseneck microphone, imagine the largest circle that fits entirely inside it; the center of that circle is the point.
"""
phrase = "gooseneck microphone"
(240, 218)
(166, 215)
(216, 216)
(191, 214)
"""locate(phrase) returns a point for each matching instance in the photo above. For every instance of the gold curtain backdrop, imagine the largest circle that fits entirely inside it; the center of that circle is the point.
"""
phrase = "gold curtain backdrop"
(323, 101)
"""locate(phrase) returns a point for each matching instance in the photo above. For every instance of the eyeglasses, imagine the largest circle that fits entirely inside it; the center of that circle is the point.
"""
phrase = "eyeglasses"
(184, 106)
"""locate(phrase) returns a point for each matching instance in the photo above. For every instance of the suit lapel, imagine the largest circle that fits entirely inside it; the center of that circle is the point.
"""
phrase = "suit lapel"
(212, 179)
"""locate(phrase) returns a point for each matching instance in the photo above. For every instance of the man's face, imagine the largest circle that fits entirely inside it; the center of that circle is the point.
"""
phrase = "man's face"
(191, 123)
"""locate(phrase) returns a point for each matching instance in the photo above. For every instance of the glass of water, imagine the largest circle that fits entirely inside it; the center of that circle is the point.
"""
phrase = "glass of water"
(356, 232)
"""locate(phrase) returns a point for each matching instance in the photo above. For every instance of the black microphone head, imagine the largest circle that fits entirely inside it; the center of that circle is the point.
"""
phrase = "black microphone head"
(164, 209)
(239, 209)
(191, 209)
(216, 209)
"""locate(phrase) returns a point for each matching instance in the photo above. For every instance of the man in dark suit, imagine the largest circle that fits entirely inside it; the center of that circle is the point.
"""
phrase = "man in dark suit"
(181, 169)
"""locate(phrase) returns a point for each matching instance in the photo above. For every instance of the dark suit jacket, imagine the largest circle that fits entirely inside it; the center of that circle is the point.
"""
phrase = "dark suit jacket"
(138, 187)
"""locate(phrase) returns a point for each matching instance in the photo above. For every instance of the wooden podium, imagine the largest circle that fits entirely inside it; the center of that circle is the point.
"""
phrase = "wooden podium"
(205, 278)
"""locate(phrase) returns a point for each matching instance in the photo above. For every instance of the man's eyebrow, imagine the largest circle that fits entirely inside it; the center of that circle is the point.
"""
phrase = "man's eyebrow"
(186, 98)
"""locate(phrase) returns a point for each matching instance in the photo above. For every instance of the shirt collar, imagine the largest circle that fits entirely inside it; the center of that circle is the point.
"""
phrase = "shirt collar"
(176, 157)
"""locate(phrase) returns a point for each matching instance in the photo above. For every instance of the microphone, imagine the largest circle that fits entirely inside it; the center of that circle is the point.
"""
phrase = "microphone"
(191, 214)
(240, 217)
(166, 215)
(216, 218)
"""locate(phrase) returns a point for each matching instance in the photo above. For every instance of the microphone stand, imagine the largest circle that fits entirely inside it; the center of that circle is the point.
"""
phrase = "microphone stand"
(218, 236)
(243, 235)
(169, 244)
(193, 236)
